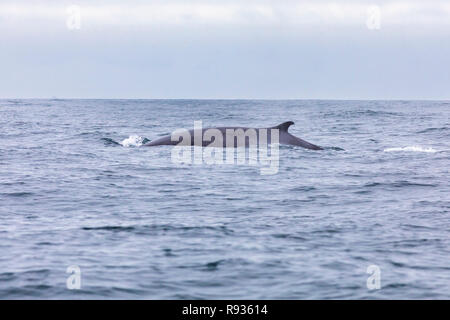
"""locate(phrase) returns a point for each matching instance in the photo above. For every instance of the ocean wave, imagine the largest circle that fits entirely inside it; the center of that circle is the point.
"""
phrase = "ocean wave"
(411, 149)
(110, 142)
(364, 113)
(163, 228)
(433, 129)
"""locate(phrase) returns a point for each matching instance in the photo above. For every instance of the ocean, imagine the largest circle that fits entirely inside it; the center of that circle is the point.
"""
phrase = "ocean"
(78, 191)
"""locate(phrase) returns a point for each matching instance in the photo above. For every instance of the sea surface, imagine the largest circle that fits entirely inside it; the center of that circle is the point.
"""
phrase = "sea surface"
(78, 189)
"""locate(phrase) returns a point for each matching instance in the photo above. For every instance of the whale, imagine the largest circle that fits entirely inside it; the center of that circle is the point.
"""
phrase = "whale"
(233, 137)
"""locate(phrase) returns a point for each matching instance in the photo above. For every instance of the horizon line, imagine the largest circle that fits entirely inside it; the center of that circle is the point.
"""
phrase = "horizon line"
(234, 99)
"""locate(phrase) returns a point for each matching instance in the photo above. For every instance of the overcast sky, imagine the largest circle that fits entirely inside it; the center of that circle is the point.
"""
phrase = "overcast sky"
(225, 49)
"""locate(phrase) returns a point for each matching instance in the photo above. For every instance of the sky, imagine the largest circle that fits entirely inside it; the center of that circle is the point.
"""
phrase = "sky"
(225, 49)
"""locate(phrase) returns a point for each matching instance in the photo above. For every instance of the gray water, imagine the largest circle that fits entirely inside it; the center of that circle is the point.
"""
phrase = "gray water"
(76, 188)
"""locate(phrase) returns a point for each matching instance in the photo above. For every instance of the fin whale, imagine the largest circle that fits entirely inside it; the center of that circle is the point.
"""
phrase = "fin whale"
(284, 137)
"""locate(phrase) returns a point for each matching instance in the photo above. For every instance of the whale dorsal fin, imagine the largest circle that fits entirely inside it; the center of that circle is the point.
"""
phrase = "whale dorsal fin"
(284, 126)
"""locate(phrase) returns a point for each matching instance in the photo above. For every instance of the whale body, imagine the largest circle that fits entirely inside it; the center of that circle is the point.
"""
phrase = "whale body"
(242, 137)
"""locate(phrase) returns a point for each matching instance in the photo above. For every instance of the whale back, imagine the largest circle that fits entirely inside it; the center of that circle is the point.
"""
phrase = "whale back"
(284, 137)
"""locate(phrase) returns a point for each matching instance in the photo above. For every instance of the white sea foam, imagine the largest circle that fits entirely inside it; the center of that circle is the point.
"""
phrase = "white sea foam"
(133, 141)
(411, 149)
